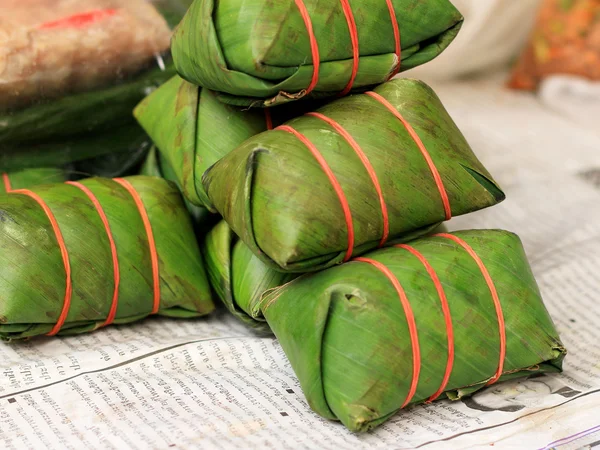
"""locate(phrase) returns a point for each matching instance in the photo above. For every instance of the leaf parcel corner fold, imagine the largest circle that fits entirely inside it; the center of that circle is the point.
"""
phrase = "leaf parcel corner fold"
(263, 53)
(443, 316)
(328, 185)
(81, 255)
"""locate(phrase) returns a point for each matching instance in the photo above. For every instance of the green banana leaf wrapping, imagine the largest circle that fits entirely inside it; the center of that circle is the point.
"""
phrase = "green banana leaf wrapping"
(361, 351)
(237, 276)
(240, 278)
(282, 202)
(60, 272)
(156, 165)
(193, 130)
(22, 179)
(260, 52)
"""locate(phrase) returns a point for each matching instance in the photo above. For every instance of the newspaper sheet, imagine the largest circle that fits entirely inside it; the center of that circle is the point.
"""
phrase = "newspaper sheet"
(211, 383)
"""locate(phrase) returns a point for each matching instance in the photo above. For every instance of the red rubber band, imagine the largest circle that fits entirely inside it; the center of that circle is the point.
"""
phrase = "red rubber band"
(65, 257)
(497, 304)
(412, 325)
(334, 182)
(80, 20)
(6, 180)
(368, 166)
(268, 119)
(447, 318)
(354, 39)
(397, 40)
(151, 243)
(113, 249)
(314, 46)
(424, 152)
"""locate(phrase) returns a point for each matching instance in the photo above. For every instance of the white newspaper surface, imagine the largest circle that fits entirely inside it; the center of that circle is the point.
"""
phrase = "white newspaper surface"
(211, 383)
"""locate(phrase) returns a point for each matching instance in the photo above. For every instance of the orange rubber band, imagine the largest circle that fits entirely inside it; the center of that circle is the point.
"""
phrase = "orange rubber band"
(6, 180)
(65, 257)
(365, 160)
(268, 119)
(334, 182)
(397, 39)
(412, 325)
(497, 304)
(79, 20)
(447, 318)
(314, 46)
(113, 249)
(354, 39)
(424, 152)
(151, 243)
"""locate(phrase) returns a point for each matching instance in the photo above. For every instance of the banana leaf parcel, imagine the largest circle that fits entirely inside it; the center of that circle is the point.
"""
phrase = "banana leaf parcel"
(262, 53)
(329, 185)
(240, 278)
(156, 165)
(27, 178)
(443, 316)
(193, 130)
(237, 276)
(79, 256)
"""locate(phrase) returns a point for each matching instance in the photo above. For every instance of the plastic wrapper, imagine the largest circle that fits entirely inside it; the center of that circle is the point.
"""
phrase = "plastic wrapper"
(71, 72)
(565, 41)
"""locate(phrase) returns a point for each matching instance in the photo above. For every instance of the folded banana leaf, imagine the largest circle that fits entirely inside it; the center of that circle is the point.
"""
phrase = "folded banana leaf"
(237, 276)
(22, 179)
(442, 316)
(126, 142)
(156, 165)
(329, 185)
(80, 256)
(193, 130)
(262, 53)
(240, 278)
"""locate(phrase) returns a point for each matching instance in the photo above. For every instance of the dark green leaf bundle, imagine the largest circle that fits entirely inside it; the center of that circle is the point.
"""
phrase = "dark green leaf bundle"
(78, 256)
(26, 178)
(260, 52)
(448, 314)
(311, 193)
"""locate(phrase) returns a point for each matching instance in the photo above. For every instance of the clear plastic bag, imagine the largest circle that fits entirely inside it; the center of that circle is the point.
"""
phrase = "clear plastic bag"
(73, 70)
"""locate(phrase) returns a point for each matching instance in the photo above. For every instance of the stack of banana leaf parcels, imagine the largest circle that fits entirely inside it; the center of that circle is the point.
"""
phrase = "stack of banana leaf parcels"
(291, 178)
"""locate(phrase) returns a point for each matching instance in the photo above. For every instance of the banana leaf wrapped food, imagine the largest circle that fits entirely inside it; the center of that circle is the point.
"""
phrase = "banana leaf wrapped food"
(262, 53)
(442, 316)
(193, 130)
(323, 187)
(27, 178)
(240, 278)
(156, 165)
(81, 255)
